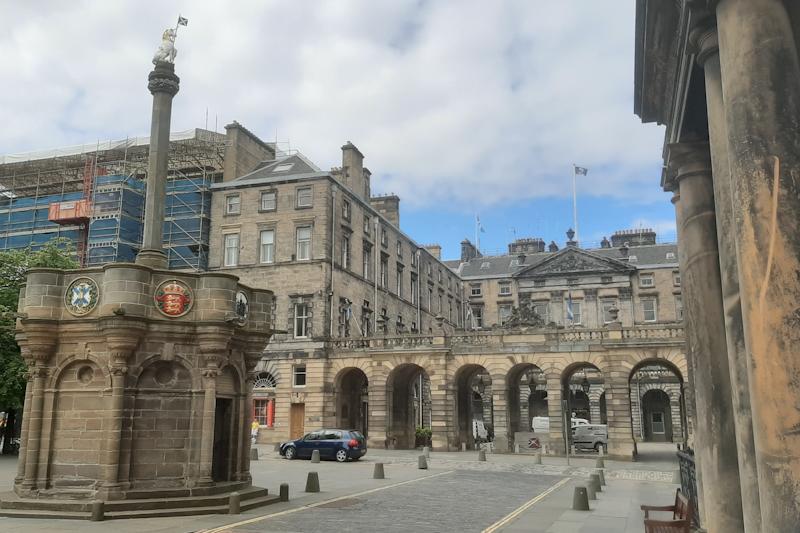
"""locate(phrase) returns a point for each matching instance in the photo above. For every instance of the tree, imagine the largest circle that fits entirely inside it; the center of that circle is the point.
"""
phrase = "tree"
(14, 264)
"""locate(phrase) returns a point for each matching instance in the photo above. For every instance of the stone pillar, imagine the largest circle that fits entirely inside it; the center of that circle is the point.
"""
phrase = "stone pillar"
(556, 413)
(618, 413)
(210, 374)
(33, 441)
(690, 164)
(761, 84)
(705, 39)
(24, 430)
(110, 453)
(502, 438)
(163, 85)
(377, 418)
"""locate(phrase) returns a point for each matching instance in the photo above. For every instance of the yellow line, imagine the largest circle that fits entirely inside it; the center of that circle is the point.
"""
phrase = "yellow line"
(227, 527)
(508, 518)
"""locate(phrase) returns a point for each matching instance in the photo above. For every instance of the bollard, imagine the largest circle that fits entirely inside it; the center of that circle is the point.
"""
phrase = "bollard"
(284, 492)
(516, 448)
(482, 455)
(601, 450)
(234, 502)
(377, 472)
(98, 511)
(591, 493)
(572, 450)
(600, 463)
(595, 480)
(463, 446)
(580, 499)
(312, 482)
(537, 459)
(426, 451)
(254, 454)
(602, 477)
(315, 456)
(422, 463)
(277, 447)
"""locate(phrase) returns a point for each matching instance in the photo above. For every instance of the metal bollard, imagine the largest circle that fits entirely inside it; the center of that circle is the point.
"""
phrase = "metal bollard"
(595, 480)
(234, 502)
(315, 456)
(426, 451)
(422, 463)
(284, 492)
(580, 499)
(254, 454)
(312, 482)
(377, 472)
(602, 477)
(482, 455)
(98, 511)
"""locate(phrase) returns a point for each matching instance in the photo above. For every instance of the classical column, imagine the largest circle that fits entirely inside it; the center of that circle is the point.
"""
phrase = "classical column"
(34, 427)
(618, 414)
(210, 374)
(761, 85)
(24, 430)
(111, 445)
(690, 164)
(555, 412)
(502, 437)
(705, 38)
(163, 85)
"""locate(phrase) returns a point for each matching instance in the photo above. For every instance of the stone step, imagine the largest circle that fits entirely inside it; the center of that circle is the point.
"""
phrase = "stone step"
(38, 513)
(189, 511)
(186, 501)
(145, 494)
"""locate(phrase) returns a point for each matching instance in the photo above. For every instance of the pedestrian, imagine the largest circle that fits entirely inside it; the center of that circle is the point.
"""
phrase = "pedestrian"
(254, 431)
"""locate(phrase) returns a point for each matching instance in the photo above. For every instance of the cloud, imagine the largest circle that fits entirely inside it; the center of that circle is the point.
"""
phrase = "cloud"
(463, 103)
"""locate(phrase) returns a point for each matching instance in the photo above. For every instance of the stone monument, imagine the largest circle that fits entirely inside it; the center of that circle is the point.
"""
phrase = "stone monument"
(139, 380)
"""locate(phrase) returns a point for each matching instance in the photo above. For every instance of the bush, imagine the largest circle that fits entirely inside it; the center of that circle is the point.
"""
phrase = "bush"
(424, 436)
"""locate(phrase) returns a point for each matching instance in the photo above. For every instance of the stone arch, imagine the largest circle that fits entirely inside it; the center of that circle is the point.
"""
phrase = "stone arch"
(657, 416)
(58, 372)
(351, 396)
(136, 371)
(527, 387)
(579, 380)
(474, 406)
(655, 371)
(408, 403)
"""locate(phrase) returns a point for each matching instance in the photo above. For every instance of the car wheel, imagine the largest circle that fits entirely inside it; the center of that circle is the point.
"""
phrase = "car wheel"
(341, 456)
(597, 446)
(290, 453)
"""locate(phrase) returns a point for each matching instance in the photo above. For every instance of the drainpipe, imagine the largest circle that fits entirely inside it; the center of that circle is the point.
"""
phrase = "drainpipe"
(376, 273)
(333, 255)
(419, 295)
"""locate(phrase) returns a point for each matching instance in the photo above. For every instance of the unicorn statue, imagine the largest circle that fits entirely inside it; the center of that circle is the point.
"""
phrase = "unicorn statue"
(166, 50)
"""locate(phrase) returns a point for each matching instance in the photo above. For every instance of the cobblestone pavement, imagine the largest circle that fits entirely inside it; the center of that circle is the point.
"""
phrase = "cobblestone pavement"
(463, 501)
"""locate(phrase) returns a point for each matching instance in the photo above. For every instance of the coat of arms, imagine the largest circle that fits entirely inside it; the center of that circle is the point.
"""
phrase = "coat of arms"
(174, 298)
(81, 296)
(242, 308)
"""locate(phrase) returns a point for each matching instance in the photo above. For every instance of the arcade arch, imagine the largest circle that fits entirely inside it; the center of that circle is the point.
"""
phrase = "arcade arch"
(408, 399)
(658, 411)
(474, 407)
(352, 399)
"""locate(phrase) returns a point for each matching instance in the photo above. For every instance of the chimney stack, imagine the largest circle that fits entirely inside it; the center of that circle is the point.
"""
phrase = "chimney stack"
(468, 251)
(552, 247)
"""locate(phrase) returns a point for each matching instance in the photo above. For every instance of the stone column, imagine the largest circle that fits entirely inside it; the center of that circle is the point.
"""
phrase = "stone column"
(761, 84)
(34, 427)
(163, 85)
(24, 430)
(705, 38)
(377, 418)
(110, 453)
(555, 411)
(502, 437)
(690, 164)
(210, 374)
(618, 413)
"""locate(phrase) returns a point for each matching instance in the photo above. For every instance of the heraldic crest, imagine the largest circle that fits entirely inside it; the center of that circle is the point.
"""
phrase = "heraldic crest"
(174, 298)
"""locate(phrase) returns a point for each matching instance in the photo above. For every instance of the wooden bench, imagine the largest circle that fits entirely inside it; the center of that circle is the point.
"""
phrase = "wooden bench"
(681, 516)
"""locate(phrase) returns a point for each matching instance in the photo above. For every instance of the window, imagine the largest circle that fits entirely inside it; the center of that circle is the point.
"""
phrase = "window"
(299, 376)
(399, 280)
(301, 316)
(269, 201)
(477, 317)
(384, 279)
(399, 250)
(283, 167)
(676, 279)
(439, 276)
(366, 319)
(346, 252)
(366, 224)
(304, 243)
(265, 380)
(505, 289)
(538, 283)
(439, 307)
(450, 310)
(542, 310)
(576, 313)
(485, 265)
(649, 309)
(430, 271)
(475, 290)
(384, 237)
(267, 251)
(607, 305)
(647, 280)
(400, 327)
(345, 210)
(414, 258)
(345, 312)
(231, 249)
(430, 299)
(414, 327)
(367, 260)
(678, 308)
(304, 197)
(633, 259)
(233, 204)
(260, 408)
(504, 312)
(670, 255)
(414, 285)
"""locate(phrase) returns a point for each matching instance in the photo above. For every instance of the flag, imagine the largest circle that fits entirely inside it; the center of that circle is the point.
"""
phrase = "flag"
(570, 315)
(480, 226)
(581, 171)
(182, 21)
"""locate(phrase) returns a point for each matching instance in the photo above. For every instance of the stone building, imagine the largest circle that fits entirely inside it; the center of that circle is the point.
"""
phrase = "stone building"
(724, 77)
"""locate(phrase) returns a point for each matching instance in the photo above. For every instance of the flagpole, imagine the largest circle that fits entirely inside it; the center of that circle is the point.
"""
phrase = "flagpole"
(478, 232)
(574, 204)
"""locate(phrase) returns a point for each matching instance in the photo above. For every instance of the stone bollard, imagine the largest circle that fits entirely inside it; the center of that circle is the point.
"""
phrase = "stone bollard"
(422, 463)
(315, 456)
(377, 472)
(602, 477)
(277, 447)
(98, 511)
(312, 482)
(595, 480)
(601, 450)
(482, 455)
(591, 493)
(516, 448)
(284, 492)
(463, 446)
(234, 502)
(426, 451)
(600, 463)
(254, 454)
(580, 499)
(537, 459)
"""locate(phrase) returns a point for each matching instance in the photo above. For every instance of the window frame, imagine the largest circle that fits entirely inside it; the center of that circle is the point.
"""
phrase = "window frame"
(651, 277)
(654, 301)
(301, 191)
(366, 261)
(229, 204)
(504, 289)
(261, 245)
(346, 252)
(298, 242)
(346, 210)
(226, 247)
(579, 314)
(264, 194)
(300, 320)
(299, 370)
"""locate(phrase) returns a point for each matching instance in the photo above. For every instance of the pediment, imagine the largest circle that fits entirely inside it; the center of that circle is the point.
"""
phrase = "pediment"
(574, 261)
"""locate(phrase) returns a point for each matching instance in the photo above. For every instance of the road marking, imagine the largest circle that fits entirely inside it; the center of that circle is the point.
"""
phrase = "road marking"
(228, 527)
(524, 507)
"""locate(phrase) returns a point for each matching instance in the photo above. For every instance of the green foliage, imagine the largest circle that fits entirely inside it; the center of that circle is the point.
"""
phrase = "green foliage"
(58, 253)
(424, 433)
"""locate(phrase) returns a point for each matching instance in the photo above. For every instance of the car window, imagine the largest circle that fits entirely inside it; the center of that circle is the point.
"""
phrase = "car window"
(332, 435)
(357, 435)
(312, 436)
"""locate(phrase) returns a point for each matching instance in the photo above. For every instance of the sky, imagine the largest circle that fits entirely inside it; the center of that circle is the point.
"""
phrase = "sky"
(463, 108)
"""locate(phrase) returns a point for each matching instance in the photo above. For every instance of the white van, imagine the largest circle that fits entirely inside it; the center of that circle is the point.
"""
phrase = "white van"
(590, 436)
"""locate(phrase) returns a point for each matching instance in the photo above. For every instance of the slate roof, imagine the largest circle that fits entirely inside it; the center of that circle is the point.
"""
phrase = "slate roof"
(499, 266)
(295, 166)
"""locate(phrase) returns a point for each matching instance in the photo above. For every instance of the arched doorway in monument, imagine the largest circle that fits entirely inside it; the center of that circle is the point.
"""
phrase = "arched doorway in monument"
(352, 399)
(658, 413)
(224, 458)
(408, 405)
(474, 408)
(583, 384)
(527, 397)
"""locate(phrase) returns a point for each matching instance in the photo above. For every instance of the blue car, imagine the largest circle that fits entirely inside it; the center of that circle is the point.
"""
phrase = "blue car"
(339, 444)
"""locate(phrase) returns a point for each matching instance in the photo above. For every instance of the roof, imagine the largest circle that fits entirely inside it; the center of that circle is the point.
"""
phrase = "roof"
(295, 166)
(498, 266)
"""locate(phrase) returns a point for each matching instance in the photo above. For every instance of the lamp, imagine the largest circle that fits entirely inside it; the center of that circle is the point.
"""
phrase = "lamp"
(480, 386)
(585, 384)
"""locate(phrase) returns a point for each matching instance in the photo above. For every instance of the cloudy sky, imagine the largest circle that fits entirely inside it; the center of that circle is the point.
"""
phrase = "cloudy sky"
(461, 107)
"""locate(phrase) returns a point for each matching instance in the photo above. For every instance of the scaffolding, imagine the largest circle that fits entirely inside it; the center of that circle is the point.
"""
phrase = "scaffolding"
(110, 179)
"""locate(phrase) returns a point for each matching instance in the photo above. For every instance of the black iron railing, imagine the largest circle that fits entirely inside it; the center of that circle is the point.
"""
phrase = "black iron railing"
(689, 480)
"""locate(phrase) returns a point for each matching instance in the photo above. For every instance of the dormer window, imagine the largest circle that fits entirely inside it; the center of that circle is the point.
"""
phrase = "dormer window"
(485, 265)
(632, 259)
(670, 255)
(283, 167)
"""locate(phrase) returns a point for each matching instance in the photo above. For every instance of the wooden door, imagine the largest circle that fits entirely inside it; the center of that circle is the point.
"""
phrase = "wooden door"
(297, 416)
